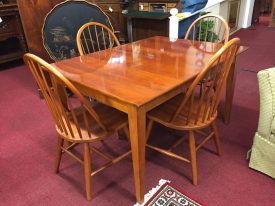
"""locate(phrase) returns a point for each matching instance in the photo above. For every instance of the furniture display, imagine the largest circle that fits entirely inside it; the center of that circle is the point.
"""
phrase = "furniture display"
(62, 24)
(263, 148)
(209, 27)
(12, 41)
(154, 71)
(196, 108)
(76, 120)
(33, 14)
(93, 36)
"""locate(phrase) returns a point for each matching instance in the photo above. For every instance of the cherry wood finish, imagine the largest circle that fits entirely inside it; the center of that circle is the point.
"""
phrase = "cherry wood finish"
(76, 120)
(136, 78)
(93, 36)
(196, 108)
(230, 85)
(219, 28)
(32, 14)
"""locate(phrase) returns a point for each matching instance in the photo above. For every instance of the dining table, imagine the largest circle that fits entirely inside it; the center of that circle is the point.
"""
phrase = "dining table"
(137, 77)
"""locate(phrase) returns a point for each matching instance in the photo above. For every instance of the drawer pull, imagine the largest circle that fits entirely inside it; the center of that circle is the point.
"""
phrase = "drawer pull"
(110, 9)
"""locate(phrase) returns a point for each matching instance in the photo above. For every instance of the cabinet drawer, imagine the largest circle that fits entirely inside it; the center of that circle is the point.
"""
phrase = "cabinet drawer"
(144, 4)
(109, 7)
(171, 5)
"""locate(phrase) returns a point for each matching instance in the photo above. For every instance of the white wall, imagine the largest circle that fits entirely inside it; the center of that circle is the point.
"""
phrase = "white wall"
(213, 2)
(246, 12)
(221, 7)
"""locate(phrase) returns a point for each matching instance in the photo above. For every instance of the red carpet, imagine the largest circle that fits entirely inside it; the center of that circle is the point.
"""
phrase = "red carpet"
(264, 20)
(28, 140)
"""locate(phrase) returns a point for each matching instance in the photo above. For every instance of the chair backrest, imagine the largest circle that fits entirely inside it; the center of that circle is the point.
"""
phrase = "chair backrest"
(204, 94)
(70, 121)
(210, 28)
(62, 23)
(94, 36)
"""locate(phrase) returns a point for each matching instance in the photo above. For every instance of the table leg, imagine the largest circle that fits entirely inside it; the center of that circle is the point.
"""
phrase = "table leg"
(230, 87)
(137, 126)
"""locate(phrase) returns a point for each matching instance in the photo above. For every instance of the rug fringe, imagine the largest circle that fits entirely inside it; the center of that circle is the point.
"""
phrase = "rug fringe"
(152, 192)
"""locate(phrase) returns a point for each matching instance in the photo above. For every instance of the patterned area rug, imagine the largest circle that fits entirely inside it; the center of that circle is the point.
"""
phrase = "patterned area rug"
(166, 195)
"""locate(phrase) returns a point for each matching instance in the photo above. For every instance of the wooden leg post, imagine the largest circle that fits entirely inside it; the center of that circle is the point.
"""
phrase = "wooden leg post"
(192, 147)
(216, 138)
(60, 142)
(87, 170)
(230, 87)
(137, 125)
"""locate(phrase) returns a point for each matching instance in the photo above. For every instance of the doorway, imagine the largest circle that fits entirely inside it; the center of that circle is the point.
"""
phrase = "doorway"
(262, 12)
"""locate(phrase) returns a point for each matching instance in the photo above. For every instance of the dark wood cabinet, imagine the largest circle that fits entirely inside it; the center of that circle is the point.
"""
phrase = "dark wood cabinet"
(149, 18)
(113, 8)
(33, 14)
(12, 42)
(143, 24)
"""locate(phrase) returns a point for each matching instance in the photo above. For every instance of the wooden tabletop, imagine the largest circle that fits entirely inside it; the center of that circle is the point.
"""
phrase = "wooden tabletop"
(139, 72)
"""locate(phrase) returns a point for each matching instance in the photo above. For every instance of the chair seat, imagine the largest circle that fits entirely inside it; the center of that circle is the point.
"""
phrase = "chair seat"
(111, 118)
(164, 113)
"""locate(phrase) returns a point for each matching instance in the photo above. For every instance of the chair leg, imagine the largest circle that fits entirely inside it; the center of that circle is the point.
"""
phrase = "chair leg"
(192, 147)
(58, 153)
(87, 170)
(216, 138)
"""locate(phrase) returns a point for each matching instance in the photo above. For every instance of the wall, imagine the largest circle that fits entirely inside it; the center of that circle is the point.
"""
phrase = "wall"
(221, 7)
(246, 12)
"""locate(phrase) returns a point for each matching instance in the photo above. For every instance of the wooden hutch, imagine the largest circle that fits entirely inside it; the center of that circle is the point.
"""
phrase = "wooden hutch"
(12, 42)
(149, 18)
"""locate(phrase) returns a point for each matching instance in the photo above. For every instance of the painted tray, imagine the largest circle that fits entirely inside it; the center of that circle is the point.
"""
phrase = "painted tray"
(62, 24)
